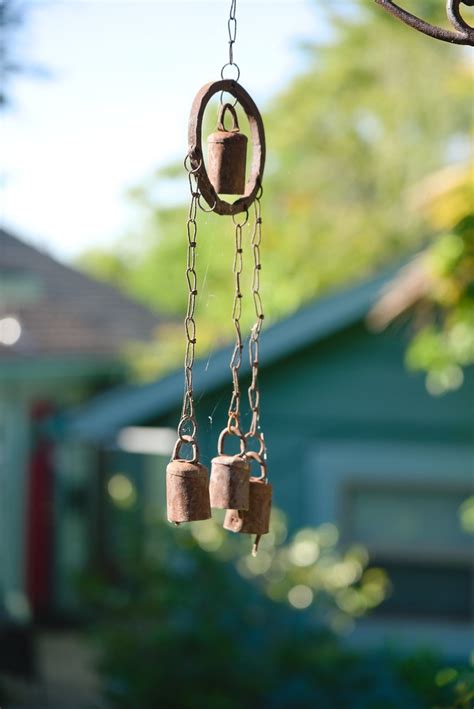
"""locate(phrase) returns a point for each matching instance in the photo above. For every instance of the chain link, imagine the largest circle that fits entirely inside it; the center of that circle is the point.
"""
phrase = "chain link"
(232, 29)
(232, 32)
(233, 423)
(187, 427)
(254, 340)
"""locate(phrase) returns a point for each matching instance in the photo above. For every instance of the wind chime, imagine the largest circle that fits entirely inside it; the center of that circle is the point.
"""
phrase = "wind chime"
(190, 493)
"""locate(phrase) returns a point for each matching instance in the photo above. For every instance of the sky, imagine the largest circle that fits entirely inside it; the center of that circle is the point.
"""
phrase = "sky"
(115, 104)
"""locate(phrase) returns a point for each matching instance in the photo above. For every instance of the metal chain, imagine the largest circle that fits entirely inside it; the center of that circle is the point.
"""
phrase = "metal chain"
(232, 31)
(233, 423)
(187, 427)
(254, 344)
(254, 341)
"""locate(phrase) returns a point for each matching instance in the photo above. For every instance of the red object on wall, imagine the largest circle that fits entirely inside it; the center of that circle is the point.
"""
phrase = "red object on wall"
(40, 510)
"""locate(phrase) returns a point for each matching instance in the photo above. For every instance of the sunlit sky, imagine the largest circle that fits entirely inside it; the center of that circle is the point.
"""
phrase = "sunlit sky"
(122, 76)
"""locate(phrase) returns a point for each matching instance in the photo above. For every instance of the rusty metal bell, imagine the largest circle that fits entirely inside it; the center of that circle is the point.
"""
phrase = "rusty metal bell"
(227, 155)
(229, 482)
(255, 520)
(187, 488)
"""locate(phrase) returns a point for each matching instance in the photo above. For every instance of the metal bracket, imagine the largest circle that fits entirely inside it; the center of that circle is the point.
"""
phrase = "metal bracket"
(463, 33)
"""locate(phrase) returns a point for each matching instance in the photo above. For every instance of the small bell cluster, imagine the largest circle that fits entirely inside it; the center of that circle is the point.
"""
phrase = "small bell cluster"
(191, 493)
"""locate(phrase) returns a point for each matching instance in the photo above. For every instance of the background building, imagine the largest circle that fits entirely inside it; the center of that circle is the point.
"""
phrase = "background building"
(353, 439)
(62, 336)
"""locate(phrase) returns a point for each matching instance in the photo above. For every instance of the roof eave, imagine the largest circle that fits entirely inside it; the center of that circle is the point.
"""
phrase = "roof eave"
(104, 416)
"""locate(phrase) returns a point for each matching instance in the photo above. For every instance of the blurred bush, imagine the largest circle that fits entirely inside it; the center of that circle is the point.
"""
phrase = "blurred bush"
(443, 346)
(190, 620)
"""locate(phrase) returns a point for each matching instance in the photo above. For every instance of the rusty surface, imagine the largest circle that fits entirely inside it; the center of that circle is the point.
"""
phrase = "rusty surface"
(255, 520)
(226, 158)
(187, 492)
(229, 483)
(463, 33)
(227, 155)
(195, 152)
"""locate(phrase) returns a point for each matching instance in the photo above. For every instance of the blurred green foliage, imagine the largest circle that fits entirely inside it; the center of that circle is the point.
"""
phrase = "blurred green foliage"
(308, 570)
(377, 108)
(443, 345)
(179, 627)
(466, 515)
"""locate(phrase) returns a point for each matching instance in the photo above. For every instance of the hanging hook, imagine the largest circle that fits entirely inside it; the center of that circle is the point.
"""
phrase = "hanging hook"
(464, 33)
(231, 431)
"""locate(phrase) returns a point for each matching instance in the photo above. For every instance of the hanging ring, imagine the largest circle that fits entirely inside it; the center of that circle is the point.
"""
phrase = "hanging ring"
(232, 431)
(203, 209)
(236, 78)
(189, 169)
(194, 446)
(245, 219)
(253, 455)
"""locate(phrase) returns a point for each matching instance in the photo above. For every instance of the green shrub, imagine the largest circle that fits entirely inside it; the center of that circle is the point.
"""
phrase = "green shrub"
(180, 627)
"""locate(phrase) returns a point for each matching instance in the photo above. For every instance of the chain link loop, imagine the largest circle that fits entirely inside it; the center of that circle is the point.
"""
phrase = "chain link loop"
(254, 340)
(187, 427)
(232, 32)
(233, 422)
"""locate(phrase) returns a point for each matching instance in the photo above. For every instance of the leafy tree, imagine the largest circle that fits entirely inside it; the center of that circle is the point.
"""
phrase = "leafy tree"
(378, 108)
(12, 16)
(437, 287)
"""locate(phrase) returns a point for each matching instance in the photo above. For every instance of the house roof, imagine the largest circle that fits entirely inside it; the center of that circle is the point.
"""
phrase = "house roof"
(102, 418)
(62, 312)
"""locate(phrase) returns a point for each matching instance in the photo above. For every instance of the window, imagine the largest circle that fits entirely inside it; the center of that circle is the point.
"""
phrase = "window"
(415, 533)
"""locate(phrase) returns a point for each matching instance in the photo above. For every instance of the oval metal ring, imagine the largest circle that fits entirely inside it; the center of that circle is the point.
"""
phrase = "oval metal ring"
(192, 434)
(253, 455)
(231, 432)
(258, 142)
